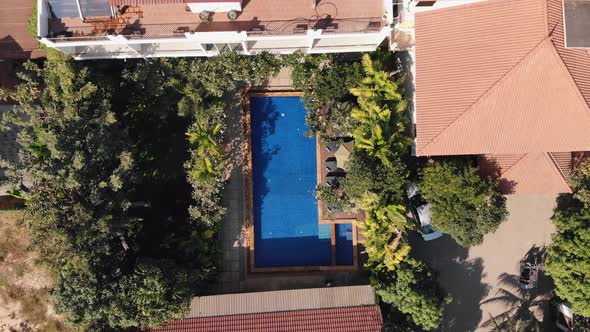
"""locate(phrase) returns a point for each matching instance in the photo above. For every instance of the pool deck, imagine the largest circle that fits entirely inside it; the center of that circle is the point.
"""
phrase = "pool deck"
(337, 217)
(249, 245)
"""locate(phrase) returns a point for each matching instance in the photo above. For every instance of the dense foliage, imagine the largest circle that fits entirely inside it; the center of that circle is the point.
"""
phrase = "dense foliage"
(464, 205)
(111, 166)
(376, 180)
(383, 227)
(380, 121)
(410, 288)
(326, 81)
(366, 174)
(568, 257)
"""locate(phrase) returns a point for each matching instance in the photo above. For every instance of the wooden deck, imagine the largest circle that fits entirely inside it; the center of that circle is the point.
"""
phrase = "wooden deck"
(249, 248)
(15, 40)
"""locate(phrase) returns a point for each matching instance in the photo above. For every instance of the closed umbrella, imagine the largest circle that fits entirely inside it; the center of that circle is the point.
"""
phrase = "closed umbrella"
(342, 155)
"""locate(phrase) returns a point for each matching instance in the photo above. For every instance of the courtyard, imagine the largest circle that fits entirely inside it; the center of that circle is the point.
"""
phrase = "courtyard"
(475, 276)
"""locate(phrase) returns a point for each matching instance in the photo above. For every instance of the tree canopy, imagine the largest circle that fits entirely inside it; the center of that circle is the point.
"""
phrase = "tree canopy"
(111, 168)
(568, 257)
(326, 81)
(411, 289)
(464, 205)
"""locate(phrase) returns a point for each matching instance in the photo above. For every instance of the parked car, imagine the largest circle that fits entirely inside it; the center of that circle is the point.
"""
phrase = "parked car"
(568, 321)
(422, 213)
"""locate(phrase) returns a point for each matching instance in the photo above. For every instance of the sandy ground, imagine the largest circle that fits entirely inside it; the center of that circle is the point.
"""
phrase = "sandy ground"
(21, 280)
(474, 275)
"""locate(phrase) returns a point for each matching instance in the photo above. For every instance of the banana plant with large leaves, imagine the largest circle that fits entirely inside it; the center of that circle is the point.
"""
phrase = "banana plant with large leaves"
(205, 138)
(383, 227)
(379, 131)
(206, 151)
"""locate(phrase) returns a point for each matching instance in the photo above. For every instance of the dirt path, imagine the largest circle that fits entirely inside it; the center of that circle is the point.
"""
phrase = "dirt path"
(24, 300)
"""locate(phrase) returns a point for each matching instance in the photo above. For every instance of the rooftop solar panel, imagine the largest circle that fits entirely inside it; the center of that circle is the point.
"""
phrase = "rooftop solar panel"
(89, 8)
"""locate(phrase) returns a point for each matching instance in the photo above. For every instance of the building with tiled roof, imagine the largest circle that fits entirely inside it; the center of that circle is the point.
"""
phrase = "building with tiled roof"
(338, 309)
(98, 29)
(494, 79)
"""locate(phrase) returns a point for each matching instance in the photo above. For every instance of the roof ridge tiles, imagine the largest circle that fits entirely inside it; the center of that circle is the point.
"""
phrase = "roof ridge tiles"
(504, 77)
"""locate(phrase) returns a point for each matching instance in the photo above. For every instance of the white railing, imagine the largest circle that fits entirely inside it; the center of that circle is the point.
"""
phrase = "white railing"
(212, 43)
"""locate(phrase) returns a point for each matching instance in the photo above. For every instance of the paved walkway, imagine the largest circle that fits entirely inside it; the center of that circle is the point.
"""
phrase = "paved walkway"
(232, 268)
(475, 275)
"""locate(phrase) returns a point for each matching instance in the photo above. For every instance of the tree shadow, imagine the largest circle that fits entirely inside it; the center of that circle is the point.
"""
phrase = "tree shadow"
(489, 167)
(525, 308)
(264, 116)
(458, 276)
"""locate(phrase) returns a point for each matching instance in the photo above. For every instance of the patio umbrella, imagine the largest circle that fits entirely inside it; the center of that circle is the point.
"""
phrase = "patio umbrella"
(342, 155)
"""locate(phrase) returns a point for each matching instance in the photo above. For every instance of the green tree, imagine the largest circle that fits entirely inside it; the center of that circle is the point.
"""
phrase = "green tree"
(411, 289)
(383, 228)
(326, 81)
(366, 174)
(380, 121)
(106, 169)
(568, 256)
(464, 205)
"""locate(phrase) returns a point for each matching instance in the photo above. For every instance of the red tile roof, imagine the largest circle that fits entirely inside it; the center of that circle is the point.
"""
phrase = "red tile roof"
(162, 2)
(349, 319)
(531, 173)
(494, 78)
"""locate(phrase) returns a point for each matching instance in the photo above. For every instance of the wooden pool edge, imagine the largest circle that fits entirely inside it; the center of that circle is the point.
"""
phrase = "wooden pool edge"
(248, 220)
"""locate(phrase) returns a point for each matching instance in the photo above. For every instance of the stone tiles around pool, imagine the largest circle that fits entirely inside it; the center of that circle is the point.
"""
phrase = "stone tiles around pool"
(248, 218)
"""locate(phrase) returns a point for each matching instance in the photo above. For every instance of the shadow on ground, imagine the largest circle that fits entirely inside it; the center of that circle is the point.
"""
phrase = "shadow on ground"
(460, 277)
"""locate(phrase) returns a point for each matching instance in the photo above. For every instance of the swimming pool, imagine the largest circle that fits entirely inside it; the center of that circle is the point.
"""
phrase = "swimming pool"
(284, 177)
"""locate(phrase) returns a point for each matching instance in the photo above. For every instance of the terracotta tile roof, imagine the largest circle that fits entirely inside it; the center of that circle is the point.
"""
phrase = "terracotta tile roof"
(564, 162)
(535, 107)
(161, 2)
(512, 89)
(494, 78)
(353, 319)
(532, 173)
(576, 60)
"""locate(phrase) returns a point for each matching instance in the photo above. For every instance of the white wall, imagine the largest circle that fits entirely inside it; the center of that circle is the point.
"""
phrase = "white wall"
(215, 7)
(195, 44)
(42, 18)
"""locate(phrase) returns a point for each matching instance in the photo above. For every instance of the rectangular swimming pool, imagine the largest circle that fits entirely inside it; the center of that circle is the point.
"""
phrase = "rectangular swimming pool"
(284, 177)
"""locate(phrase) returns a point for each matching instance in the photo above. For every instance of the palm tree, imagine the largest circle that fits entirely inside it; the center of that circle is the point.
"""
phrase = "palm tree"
(383, 229)
(377, 131)
(518, 317)
(203, 169)
(204, 139)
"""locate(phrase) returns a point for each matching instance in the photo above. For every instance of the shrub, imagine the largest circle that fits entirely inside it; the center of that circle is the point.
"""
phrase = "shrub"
(568, 256)
(379, 119)
(366, 174)
(411, 289)
(32, 22)
(383, 228)
(326, 81)
(464, 205)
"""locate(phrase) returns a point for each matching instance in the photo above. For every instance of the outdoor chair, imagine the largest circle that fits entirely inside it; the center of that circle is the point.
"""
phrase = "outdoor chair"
(331, 164)
(333, 207)
(332, 146)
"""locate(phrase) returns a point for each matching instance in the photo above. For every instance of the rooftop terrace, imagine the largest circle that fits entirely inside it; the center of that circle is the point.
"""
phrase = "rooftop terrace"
(258, 17)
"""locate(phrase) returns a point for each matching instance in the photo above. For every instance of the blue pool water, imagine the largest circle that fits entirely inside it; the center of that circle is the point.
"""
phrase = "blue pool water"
(344, 244)
(286, 229)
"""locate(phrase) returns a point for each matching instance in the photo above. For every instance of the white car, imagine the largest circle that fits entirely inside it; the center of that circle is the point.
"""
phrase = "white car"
(422, 213)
